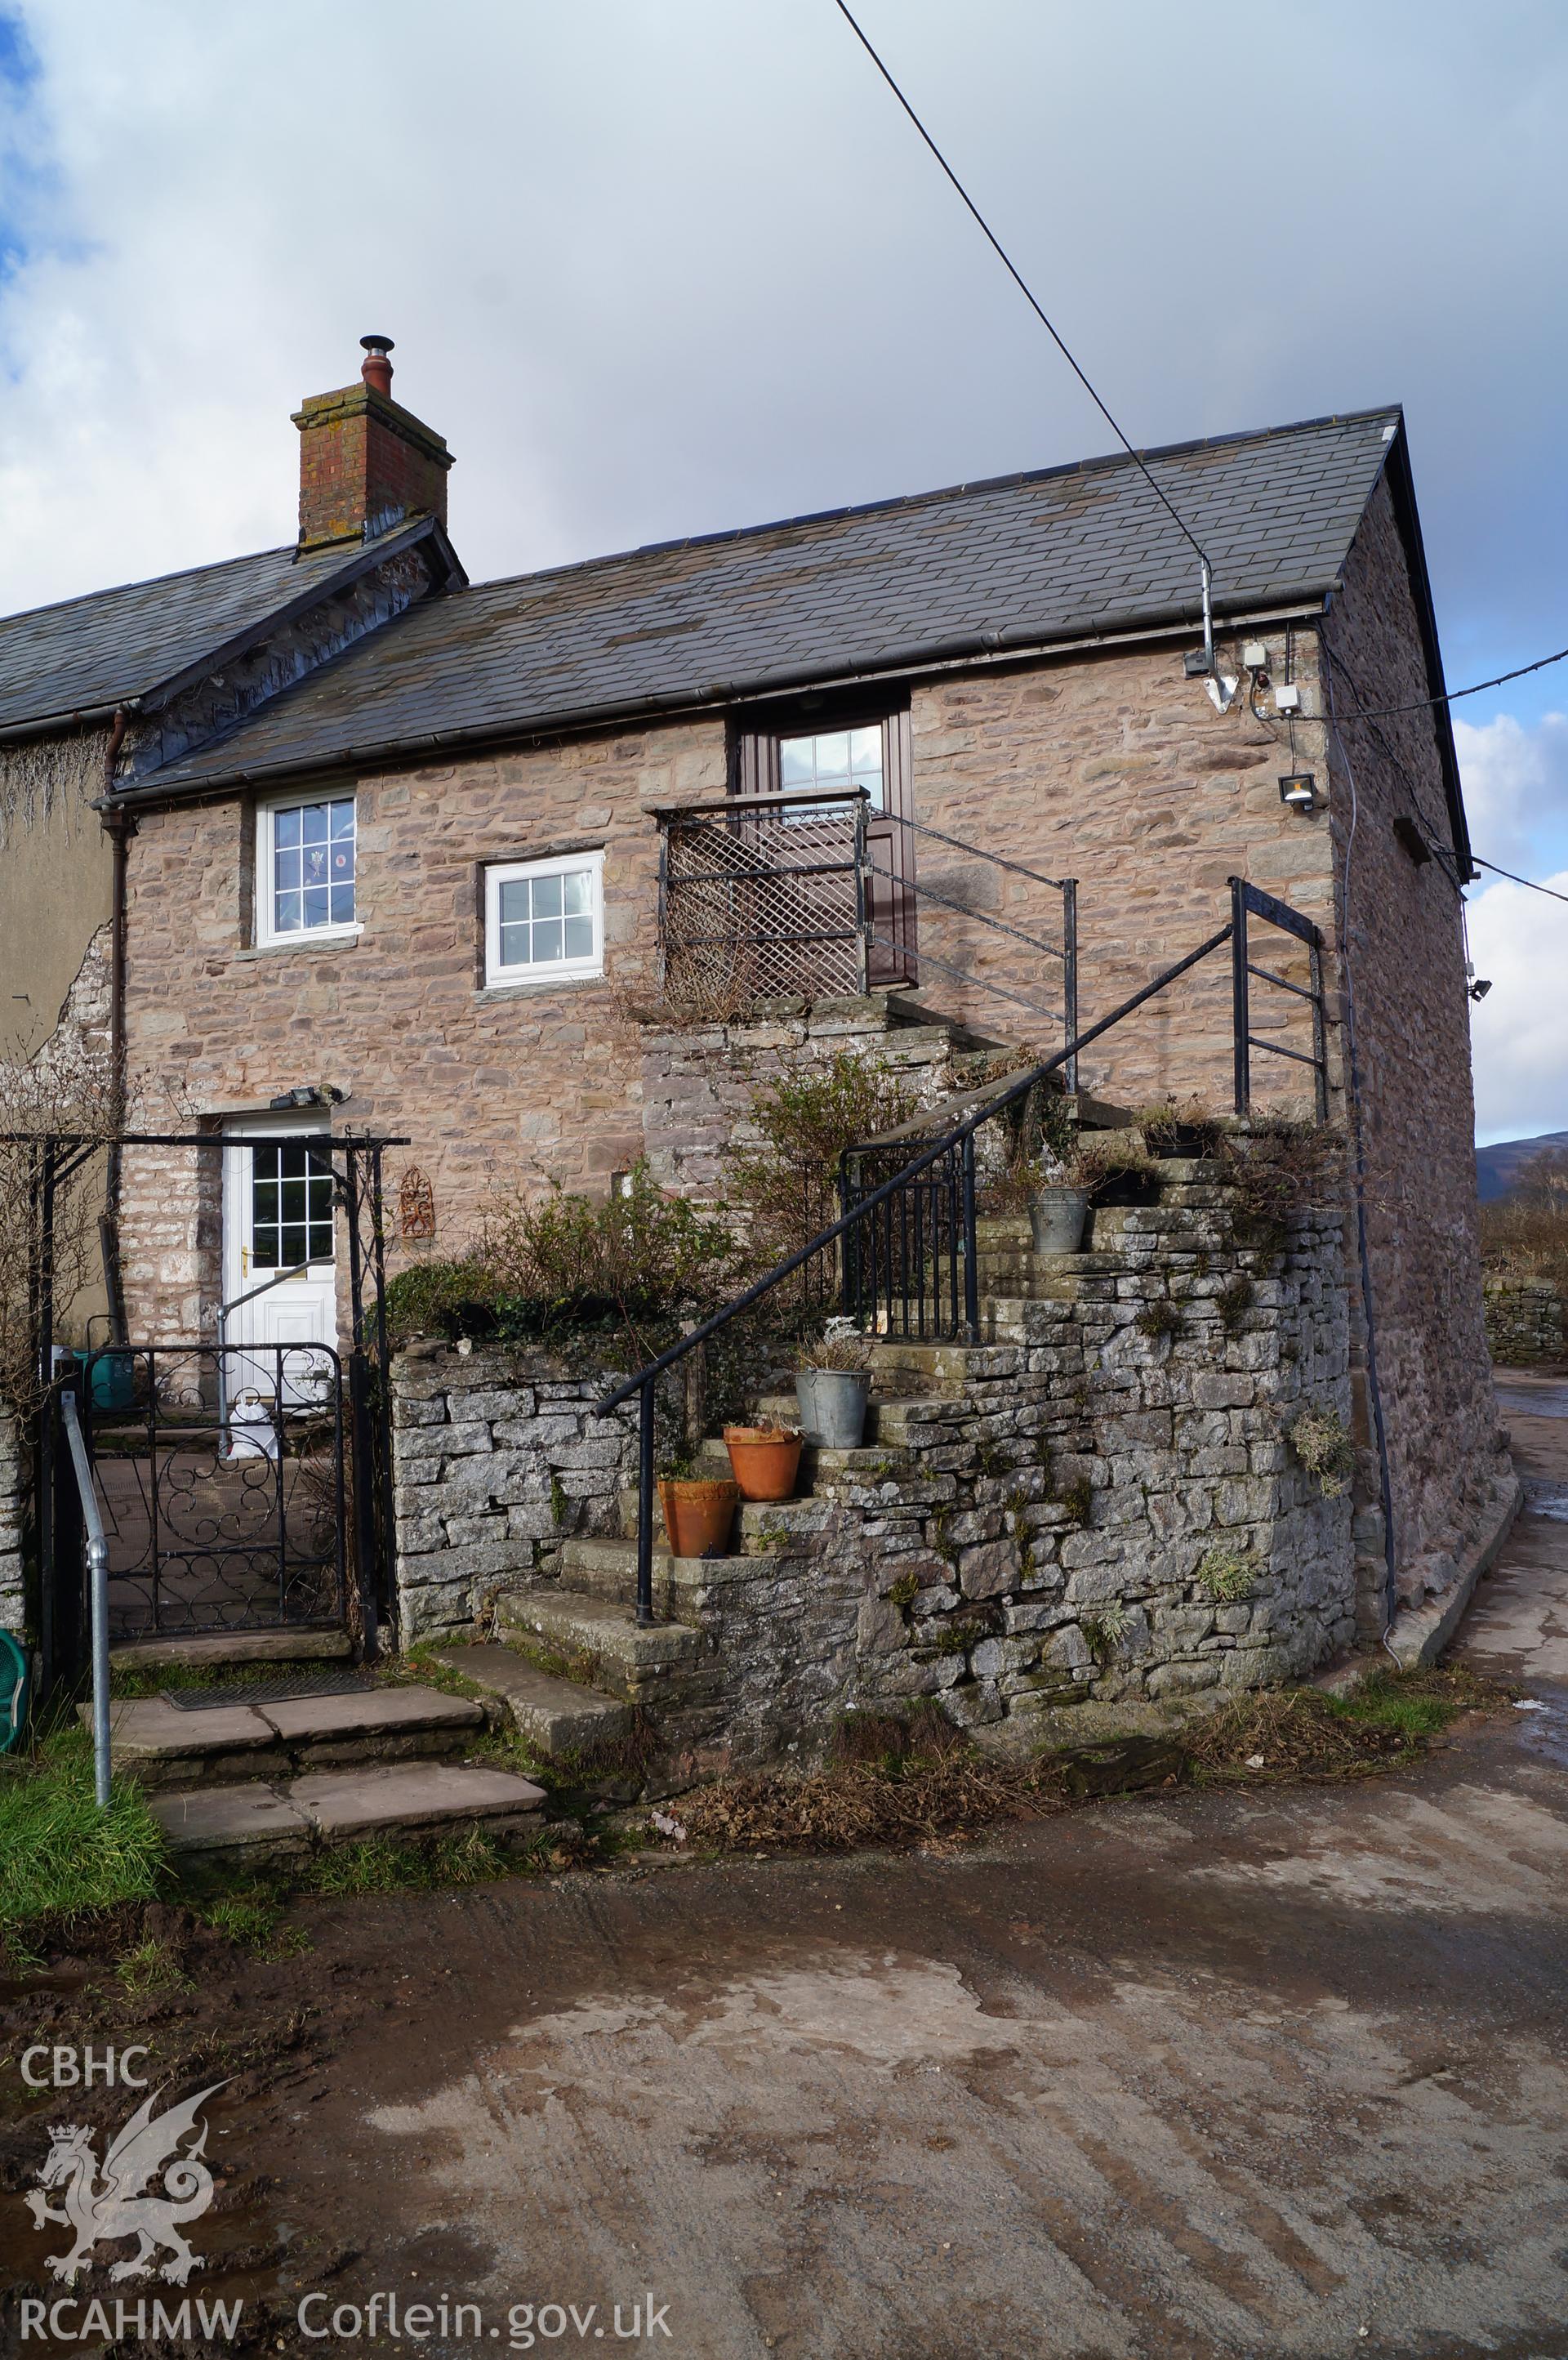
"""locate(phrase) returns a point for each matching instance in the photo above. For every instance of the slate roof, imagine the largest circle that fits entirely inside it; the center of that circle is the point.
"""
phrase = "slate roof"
(1021, 559)
(90, 653)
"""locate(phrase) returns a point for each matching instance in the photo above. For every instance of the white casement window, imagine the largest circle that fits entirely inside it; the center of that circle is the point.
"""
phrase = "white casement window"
(544, 920)
(304, 869)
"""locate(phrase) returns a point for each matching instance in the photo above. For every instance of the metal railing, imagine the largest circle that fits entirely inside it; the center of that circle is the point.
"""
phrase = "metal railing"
(908, 1258)
(762, 896)
(1066, 950)
(1249, 902)
(97, 1553)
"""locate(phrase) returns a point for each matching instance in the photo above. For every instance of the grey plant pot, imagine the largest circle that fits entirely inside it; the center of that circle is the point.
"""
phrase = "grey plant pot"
(1057, 1216)
(833, 1406)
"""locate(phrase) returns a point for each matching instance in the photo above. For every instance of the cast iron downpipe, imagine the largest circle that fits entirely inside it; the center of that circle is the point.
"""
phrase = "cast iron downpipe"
(121, 827)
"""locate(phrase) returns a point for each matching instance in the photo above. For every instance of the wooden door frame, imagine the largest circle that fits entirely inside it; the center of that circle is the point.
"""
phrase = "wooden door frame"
(754, 770)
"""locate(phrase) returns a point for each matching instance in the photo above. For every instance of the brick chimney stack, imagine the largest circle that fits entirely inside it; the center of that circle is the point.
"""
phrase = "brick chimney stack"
(366, 463)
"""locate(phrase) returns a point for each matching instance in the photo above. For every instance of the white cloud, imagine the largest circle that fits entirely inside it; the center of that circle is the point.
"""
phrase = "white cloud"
(1518, 1034)
(1515, 783)
(657, 268)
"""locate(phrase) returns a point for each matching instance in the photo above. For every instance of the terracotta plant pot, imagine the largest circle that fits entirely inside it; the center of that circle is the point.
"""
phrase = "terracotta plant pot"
(766, 1459)
(698, 1514)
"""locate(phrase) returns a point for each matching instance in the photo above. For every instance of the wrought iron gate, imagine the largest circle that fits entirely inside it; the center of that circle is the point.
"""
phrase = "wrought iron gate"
(243, 1485)
(219, 1472)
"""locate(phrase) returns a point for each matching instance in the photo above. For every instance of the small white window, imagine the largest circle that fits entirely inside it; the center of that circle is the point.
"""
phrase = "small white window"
(304, 869)
(544, 920)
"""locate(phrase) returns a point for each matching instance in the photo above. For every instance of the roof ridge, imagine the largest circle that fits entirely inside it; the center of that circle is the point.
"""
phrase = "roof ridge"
(1062, 469)
(347, 551)
(147, 582)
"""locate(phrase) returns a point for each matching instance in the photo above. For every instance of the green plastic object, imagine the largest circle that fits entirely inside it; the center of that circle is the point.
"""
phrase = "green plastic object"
(13, 1691)
(113, 1378)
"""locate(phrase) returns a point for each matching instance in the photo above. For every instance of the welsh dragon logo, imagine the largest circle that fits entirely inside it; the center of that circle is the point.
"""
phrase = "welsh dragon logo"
(103, 2210)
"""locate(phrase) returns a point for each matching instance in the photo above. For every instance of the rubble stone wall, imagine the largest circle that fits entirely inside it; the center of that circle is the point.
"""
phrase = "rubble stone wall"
(1400, 931)
(1110, 1509)
(1524, 1321)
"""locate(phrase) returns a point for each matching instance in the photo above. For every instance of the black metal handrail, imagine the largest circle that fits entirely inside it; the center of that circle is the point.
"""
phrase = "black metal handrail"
(956, 1145)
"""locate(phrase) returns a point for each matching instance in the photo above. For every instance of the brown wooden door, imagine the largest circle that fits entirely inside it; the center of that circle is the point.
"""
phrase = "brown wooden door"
(871, 752)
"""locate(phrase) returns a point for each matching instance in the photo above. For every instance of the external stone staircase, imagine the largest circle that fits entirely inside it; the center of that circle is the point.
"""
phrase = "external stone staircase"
(568, 1666)
(570, 1660)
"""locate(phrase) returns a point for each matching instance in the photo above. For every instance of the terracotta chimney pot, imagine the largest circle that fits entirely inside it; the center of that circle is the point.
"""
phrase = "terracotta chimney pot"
(375, 368)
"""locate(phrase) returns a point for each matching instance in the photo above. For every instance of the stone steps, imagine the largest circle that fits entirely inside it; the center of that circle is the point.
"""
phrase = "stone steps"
(818, 1462)
(886, 1422)
(598, 1639)
(217, 1649)
(162, 1745)
(559, 1717)
(260, 1822)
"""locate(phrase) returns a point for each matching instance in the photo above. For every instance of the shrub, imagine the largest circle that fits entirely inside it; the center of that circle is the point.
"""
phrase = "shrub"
(1162, 1318)
(1521, 1238)
(440, 1298)
(635, 1262)
(1278, 1169)
(1323, 1447)
(783, 1187)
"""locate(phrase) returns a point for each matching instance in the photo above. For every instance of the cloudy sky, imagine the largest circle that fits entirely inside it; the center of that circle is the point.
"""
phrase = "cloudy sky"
(656, 266)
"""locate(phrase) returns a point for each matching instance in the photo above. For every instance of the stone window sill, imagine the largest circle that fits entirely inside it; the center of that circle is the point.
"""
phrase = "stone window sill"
(323, 938)
(545, 984)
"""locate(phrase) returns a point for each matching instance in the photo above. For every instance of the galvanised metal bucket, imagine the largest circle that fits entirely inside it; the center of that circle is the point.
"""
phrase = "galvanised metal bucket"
(833, 1406)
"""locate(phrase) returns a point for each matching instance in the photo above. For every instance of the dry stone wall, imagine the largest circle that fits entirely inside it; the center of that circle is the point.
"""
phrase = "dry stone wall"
(496, 1456)
(1524, 1321)
(1066, 1529)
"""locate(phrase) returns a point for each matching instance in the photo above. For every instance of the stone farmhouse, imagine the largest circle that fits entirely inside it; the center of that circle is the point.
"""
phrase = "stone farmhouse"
(328, 841)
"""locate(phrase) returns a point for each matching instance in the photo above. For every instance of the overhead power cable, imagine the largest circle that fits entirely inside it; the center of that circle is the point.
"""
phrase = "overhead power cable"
(1376, 713)
(1024, 288)
(1453, 695)
(1551, 890)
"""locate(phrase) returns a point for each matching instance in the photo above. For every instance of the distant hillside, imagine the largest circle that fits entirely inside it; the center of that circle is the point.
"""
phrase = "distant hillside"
(1497, 1167)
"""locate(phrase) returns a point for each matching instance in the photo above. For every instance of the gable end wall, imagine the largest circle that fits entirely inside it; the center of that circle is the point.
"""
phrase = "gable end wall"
(1400, 929)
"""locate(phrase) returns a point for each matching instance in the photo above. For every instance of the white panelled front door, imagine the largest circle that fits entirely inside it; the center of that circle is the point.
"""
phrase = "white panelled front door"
(277, 1220)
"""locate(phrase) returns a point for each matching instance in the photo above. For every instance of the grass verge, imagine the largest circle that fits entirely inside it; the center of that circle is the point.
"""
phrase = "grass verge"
(59, 1853)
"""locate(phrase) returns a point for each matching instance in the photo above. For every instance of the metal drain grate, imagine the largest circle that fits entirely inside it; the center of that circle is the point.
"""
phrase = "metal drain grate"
(332, 1680)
